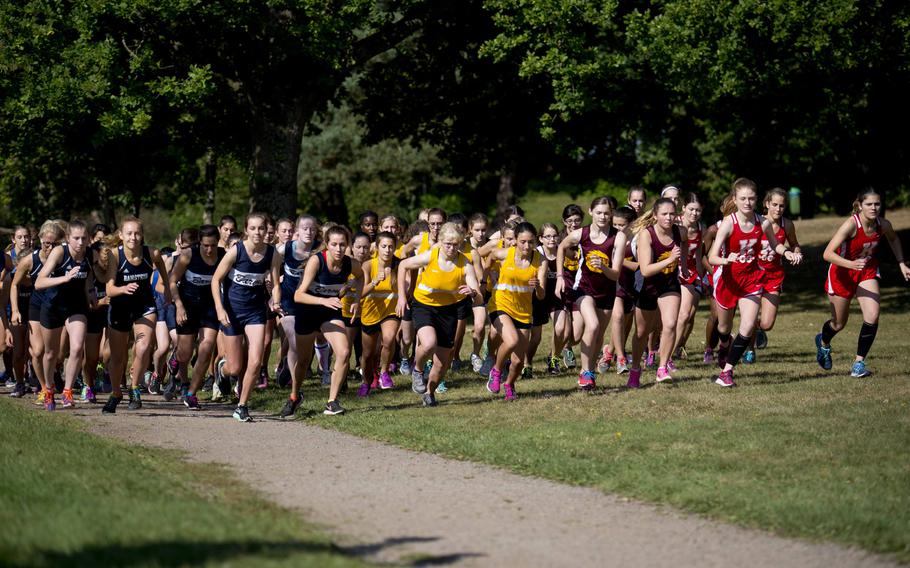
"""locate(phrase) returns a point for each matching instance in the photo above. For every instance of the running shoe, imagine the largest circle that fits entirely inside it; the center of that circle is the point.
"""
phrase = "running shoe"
(429, 400)
(634, 379)
(405, 366)
(242, 414)
(362, 391)
(263, 379)
(154, 384)
(170, 390)
(441, 388)
(487, 366)
(333, 408)
(476, 363)
(88, 395)
(671, 366)
(649, 360)
(7, 378)
(58, 382)
(106, 386)
(290, 407)
(663, 375)
(457, 364)
(326, 378)
(509, 392)
(587, 380)
(622, 366)
(190, 401)
(385, 381)
(749, 357)
(78, 383)
(553, 365)
(823, 354)
(135, 399)
(418, 384)
(859, 370)
(761, 339)
(709, 357)
(49, 403)
(568, 358)
(68, 398)
(110, 407)
(603, 364)
(427, 367)
(725, 379)
(208, 382)
(284, 377)
(146, 380)
(20, 390)
(722, 356)
(527, 372)
(494, 380)
(42, 394)
(681, 352)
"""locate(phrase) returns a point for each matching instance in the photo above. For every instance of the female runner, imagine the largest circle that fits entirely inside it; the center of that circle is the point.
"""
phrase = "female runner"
(377, 313)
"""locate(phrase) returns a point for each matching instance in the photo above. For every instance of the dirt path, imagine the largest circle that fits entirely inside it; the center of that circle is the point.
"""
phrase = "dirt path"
(394, 505)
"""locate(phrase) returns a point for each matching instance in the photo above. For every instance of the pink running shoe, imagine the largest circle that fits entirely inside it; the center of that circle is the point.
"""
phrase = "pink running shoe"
(586, 380)
(494, 380)
(725, 379)
(649, 362)
(375, 383)
(510, 392)
(634, 379)
(363, 390)
(709, 357)
(663, 375)
(671, 366)
(385, 381)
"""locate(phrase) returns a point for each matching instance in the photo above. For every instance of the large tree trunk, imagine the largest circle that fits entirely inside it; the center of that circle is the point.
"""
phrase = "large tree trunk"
(211, 176)
(505, 195)
(273, 166)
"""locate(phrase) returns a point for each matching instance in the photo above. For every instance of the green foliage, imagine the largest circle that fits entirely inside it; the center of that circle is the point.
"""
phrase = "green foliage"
(389, 176)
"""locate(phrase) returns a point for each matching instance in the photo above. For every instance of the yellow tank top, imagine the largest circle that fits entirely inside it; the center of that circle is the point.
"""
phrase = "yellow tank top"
(380, 302)
(512, 294)
(398, 253)
(424, 243)
(436, 287)
(349, 299)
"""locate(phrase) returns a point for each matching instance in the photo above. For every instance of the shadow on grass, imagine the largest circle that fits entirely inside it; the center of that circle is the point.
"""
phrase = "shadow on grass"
(182, 553)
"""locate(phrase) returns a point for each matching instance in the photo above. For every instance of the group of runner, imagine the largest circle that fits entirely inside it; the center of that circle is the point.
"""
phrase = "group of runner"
(399, 297)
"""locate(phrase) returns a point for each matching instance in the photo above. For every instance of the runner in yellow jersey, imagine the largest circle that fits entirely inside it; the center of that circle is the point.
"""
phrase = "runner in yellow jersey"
(447, 277)
(379, 323)
(522, 273)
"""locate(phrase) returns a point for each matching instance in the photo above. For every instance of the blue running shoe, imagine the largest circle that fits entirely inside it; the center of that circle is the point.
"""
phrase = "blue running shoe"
(859, 370)
(441, 387)
(749, 357)
(822, 354)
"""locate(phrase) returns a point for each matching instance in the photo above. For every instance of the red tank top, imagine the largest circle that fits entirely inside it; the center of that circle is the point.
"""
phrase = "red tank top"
(747, 246)
(593, 281)
(692, 245)
(768, 259)
(862, 245)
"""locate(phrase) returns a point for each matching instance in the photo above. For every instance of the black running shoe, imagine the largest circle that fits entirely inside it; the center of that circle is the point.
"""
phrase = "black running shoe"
(208, 383)
(110, 407)
(135, 400)
(284, 377)
(170, 390)
(190, 401)
(20, 390)
(242, 414)
(290, 407)
(429, 400)
(333, 408)
(155, 384)
(761, 339)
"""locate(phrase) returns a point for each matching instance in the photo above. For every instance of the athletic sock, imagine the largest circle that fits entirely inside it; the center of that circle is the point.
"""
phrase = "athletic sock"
(866, 337)
(723, 341)
(828, 333)
(740, 344)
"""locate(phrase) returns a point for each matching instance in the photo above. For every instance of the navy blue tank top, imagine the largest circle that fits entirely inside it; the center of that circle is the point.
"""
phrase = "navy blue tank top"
(326, 284)
(100, 287)
(38, 296)
(127, 273)
(25, 290)
(71, 294)
(292, 269)
(244, 286)
(196, 284)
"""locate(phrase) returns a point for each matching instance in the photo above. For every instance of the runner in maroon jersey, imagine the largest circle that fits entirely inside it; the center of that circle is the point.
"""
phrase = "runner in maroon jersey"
(690, 287)
(854, 272)
(626, 295)
(739, 283)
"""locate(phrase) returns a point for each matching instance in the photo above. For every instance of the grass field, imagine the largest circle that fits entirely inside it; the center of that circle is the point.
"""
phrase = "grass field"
(795, 450)
(72, 499)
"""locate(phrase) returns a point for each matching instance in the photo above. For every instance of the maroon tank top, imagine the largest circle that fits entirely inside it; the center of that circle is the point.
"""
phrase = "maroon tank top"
(593, 282)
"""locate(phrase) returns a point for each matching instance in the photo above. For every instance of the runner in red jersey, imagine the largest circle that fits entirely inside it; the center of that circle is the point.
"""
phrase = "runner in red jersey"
(739, 283)
(691, 286)
(599, 267)
(854, 272)
(772, 267)
(659, 252)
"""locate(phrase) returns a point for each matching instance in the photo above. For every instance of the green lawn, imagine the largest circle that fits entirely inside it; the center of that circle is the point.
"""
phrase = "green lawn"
(69, 498)
(795, 450)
